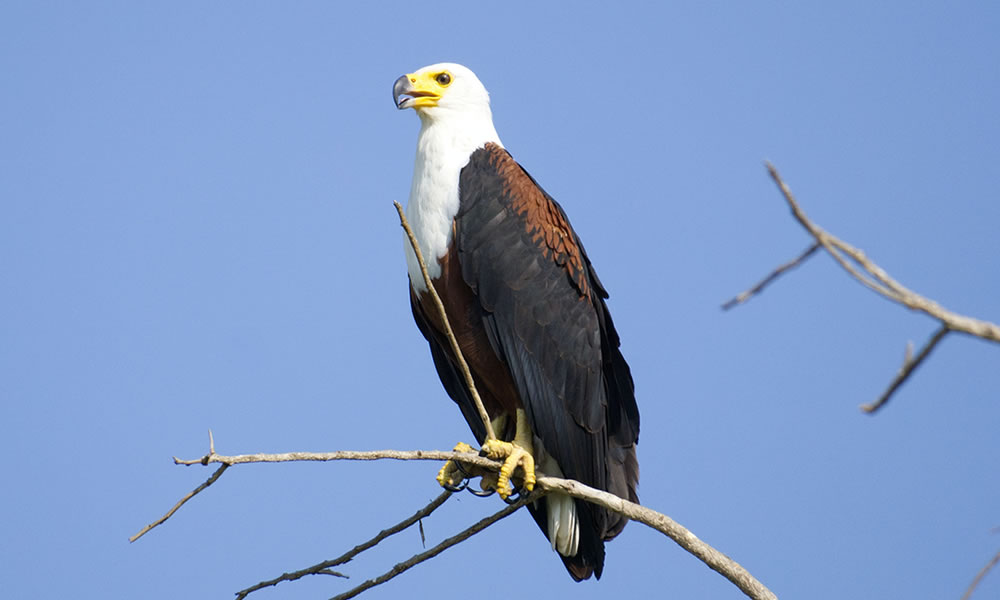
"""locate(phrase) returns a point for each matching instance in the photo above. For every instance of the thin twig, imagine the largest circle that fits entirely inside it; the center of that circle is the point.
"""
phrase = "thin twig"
(740, 299)
(322, 568)
(444, 545)
(192, 494)
(447, 326)
(909, 365)
(979, 576)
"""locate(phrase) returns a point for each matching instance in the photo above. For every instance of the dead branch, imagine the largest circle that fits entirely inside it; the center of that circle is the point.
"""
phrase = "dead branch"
(875, 278)
(323, 567)
(715, 560)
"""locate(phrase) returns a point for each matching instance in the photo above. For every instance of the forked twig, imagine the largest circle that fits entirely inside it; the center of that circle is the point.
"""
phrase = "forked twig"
(874, 277)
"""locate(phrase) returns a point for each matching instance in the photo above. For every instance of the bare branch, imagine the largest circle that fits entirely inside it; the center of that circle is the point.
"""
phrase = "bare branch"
(909, 365)
(716, 560)
(740, 299)
(463, 366)
(444, 545)
(323, 567)
(470, 458)
(874, 277)
(979, 576)
(192, 494)
(877, 279)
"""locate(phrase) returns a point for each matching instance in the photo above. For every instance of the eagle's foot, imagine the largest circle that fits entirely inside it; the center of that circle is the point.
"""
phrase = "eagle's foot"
(453, 474)
(514, 456)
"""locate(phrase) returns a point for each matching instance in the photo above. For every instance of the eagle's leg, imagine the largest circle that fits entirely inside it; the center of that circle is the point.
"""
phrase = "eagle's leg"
(516, 453)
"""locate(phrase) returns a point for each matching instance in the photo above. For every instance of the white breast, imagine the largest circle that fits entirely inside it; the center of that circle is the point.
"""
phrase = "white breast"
(443, 149)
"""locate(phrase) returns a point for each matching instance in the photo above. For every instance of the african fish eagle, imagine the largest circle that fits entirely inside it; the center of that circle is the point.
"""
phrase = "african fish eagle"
(528, 311)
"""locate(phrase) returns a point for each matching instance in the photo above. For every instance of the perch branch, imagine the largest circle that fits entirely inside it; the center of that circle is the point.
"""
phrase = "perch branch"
(463, 366)
(322, 568)
(228, 461)
(874, 277)
(715, 560)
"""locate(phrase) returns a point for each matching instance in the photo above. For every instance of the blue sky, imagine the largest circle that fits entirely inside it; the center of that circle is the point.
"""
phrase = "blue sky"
(197, 233)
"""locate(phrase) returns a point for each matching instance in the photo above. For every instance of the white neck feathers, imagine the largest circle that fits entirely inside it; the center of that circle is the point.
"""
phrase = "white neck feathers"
(447, 140)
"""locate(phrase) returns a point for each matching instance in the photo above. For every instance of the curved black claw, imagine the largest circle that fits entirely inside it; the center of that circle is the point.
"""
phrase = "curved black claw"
(461, 469)
(513, 498)
(456, 488)
(482, 493)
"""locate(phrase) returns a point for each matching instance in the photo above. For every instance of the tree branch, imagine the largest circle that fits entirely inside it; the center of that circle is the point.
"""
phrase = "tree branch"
(715, 560)
(874, 277)
(463, 366)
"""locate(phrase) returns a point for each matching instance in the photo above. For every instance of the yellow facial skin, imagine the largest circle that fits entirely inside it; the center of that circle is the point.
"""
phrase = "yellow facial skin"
(424, 89)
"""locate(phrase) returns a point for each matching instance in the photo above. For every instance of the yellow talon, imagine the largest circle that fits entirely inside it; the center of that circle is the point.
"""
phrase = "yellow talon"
(449, 473)
(514, 456)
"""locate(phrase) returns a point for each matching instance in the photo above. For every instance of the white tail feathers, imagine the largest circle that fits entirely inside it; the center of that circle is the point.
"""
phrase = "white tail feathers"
(564, 527)
(564, 530)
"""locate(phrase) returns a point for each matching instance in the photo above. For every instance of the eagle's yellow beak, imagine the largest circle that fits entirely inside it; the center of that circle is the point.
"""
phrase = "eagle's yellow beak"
(417, 90)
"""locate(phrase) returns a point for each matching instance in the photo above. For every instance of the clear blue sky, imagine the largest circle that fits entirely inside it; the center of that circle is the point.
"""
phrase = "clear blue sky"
(197, 232)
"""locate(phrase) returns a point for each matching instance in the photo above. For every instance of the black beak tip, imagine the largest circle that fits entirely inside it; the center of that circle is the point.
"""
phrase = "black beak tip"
(399, 88)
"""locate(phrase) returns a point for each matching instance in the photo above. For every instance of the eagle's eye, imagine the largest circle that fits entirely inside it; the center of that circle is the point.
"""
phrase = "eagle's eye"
(443, 78)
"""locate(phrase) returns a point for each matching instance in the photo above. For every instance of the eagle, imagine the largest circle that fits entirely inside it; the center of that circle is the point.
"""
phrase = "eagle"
(528, 312)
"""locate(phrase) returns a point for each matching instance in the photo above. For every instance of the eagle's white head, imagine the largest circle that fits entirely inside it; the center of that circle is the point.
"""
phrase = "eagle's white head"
(445, 91)
(455, 119)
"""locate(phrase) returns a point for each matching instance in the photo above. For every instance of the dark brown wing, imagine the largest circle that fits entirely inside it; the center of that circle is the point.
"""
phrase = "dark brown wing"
(545, 316)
